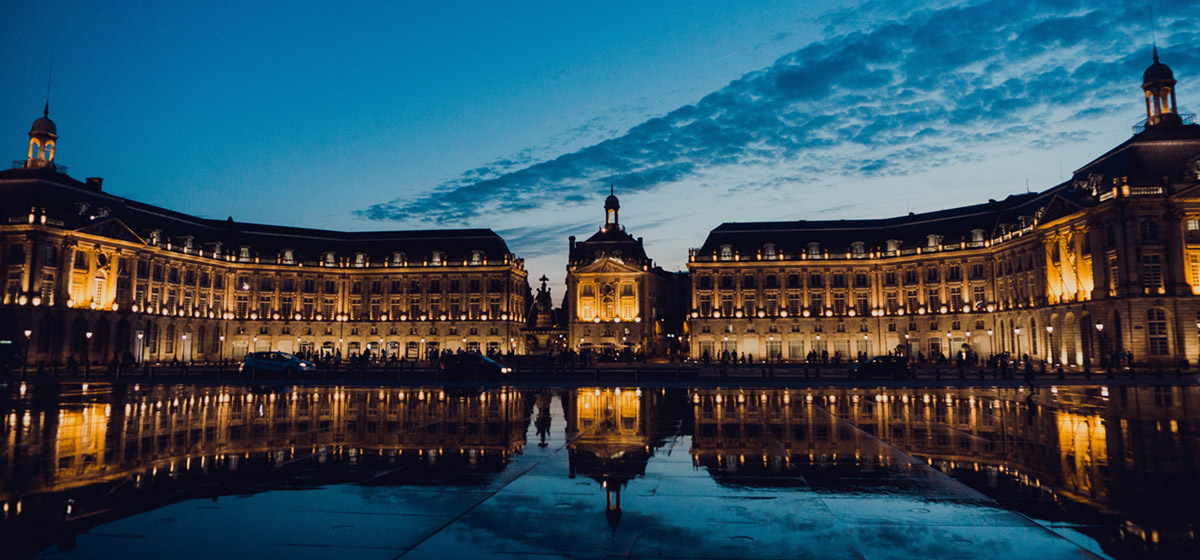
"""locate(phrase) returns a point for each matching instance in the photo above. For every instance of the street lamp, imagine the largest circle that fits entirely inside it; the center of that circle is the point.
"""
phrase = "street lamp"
(140, 336)
(183, 348)
(1050, 343)
(1017, 340)
(87, 352)
(25, 356)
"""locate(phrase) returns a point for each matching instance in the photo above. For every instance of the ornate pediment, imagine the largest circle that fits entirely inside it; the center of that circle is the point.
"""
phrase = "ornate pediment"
(112, 228)
(607, 265)
(1057, 208)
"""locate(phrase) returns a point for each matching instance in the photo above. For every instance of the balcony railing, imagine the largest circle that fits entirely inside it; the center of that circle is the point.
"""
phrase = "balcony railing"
(1188, 118)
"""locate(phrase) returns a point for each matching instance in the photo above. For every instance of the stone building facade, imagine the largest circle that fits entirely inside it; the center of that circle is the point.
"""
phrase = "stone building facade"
(1106, 262)
(617, 298)
(94, 276)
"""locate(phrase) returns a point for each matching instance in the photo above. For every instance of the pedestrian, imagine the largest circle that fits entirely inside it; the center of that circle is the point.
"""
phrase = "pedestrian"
(1029, 372)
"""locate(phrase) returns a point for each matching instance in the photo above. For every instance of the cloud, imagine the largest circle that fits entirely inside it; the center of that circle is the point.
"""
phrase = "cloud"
(914, 87)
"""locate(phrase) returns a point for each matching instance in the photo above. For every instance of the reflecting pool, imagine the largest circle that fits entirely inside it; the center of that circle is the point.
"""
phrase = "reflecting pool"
(119, 471)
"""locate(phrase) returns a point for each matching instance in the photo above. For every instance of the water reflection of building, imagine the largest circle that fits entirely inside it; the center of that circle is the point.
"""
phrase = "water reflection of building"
(109, 436)
(612, 438)
(1130, 450)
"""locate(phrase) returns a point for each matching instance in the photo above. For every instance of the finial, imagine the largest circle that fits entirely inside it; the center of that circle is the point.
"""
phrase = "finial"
(46, 111)
(1156, 54)
(610, 185)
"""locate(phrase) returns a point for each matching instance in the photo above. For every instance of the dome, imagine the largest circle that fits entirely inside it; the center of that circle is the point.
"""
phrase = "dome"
(1157, 71)
(610, 203)
(44, 125)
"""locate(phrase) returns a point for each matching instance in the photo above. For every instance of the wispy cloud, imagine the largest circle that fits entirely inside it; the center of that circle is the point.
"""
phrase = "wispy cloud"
(889, 97)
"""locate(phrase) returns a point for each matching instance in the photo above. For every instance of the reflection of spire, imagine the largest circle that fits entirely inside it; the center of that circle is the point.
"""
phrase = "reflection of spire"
(612, 506)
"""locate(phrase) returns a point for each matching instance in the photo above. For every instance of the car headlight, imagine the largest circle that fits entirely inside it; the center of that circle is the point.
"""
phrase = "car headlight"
(304, 365)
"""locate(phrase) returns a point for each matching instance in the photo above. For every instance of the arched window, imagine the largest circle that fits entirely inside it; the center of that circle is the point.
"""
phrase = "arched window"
(35, 148)
(360, 260)
(858, 249)
(814, 250)
(244, 254)
(726, 252)
(769, 252)
(288, 257)
(48, 151)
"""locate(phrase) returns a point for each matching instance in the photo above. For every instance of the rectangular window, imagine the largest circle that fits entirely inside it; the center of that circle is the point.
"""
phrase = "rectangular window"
(794, 304)
(727, 305)
(893, 303)
(839, 303)
(705, 305)
(978, 295)
(1152, 278)
(862, 303)
(1156, 328)
(264, 307)
(956, 299)
(327, 308)
(933, 298)
(816, 303)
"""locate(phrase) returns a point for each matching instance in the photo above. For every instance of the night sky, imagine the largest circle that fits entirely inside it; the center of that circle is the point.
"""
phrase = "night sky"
(517, 116)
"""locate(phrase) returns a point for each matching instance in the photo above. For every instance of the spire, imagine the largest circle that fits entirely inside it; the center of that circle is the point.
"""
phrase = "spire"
(610, 185)
(1156, 54)
(46, 110)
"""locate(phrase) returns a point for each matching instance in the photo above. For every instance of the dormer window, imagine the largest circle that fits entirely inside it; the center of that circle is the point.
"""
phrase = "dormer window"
(858, 249)
(769, 252)
(437, 258)
(244, 254)
(360, 260)
(216, 249)
(726, 252)
(932, 241)
(814, 250)
(397, 259)
(81, 208)
(101, 212)
(893, 245)
(976, 236)
(155, 237)
(329, 259)
(287, 257)
(476, 258)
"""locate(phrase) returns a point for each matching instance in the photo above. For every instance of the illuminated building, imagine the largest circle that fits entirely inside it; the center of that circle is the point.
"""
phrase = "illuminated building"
(1107, 261)
(161, 285)
(617, 298)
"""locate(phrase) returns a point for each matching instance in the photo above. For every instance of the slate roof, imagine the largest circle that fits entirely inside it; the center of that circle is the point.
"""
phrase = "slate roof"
(1158, 156)
(610, 241)
(60, 195)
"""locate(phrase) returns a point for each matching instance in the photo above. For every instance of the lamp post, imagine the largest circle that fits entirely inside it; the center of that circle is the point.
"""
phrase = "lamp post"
(1050, 344)
(87, 352)
(1017, 340)
(25, 355)
(907, 347)
(220, 353)
(140, 336)
(183, 348)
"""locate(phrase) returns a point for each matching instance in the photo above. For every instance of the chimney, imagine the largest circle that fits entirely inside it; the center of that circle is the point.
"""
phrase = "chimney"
(572, 239)
(95, 182)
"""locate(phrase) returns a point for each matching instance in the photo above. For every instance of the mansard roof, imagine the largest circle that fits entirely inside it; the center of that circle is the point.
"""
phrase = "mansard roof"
(611, 242)
(78, 204)
(792, 238)
(1156, 156)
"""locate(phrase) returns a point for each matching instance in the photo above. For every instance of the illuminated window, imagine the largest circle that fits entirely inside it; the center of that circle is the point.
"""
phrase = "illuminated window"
(769, 252)
(288, 257)
(726, 252)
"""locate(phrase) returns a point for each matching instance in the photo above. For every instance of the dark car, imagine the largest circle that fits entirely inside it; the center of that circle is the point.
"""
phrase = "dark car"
(470, 365)
(276, 362)
(895, 367)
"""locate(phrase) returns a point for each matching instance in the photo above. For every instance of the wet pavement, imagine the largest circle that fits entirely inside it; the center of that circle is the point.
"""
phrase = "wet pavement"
(426, 472)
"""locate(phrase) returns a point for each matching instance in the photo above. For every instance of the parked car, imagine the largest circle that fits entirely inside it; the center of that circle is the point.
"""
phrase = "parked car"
(470, 365)
(275, 362)
(895, 367)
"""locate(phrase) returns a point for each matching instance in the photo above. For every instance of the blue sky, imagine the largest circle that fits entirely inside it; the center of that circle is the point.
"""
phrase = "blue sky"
(517, 116)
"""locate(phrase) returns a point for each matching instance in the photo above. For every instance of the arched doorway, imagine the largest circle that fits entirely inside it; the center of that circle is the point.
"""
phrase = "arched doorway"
(100, 340)
(79, 339)
(121, 345)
